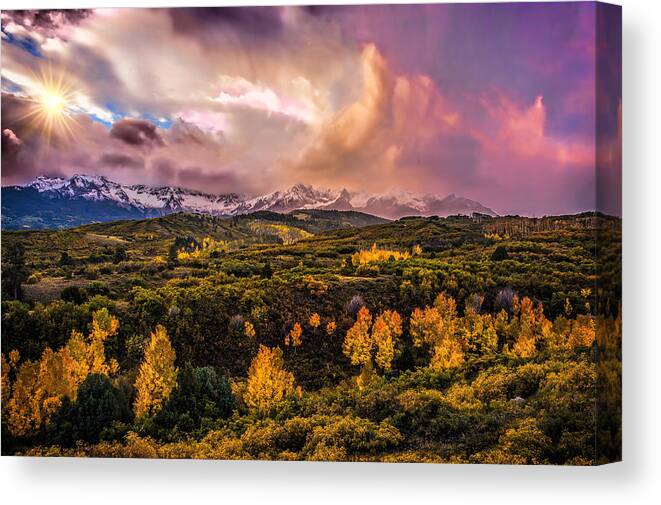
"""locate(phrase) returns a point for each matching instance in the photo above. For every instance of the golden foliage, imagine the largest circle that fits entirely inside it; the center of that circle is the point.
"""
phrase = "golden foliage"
(357, 343)
(527, 327)
(157, 375)
(205, 250)
(249, 329)
(287, 234)
(314, 286)
(478, 332)
(331, 326)
(268, 381)
(39, 386)
(447, 355)
(436, 327)
(24, 411)
(86, 355)
(315, 320)
(583, 332)
(360, 342)
(376, 255)
(293, 338)
(7, 367)
(385, 332)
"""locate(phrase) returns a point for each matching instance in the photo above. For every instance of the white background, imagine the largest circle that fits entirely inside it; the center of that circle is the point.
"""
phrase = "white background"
(31, 480)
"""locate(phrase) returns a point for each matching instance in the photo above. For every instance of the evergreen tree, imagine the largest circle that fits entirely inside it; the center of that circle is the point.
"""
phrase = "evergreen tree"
(200, 393)
(14, 272)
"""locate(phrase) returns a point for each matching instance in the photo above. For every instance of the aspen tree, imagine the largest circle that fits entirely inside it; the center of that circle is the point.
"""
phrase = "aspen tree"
(157, 375)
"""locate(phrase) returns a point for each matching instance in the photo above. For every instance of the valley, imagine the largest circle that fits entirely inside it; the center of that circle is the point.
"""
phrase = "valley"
(291, 292)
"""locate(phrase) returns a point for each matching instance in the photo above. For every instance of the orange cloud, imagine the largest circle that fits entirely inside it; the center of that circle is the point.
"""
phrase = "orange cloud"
(370, 141)
(521, 132)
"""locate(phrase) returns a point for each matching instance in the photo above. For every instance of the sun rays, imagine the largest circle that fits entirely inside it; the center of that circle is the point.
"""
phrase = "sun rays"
(51, 101)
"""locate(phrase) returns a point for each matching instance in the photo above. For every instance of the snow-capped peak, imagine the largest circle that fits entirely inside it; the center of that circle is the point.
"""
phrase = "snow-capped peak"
(165, 199)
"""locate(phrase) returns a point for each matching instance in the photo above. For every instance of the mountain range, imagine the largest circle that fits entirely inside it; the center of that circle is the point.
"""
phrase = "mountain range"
(55, 202)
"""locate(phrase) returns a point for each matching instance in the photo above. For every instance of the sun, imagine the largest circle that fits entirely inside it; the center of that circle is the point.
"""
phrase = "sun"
(51, 105)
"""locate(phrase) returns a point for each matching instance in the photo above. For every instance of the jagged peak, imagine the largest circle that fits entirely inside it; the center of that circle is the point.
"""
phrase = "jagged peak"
(391, 204)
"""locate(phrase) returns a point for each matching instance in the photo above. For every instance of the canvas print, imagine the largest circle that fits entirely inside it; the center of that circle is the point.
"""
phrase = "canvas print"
(332, 233)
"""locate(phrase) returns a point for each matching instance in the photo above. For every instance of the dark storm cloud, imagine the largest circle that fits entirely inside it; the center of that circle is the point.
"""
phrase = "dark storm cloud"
(136, 132)
(118, 160)
(260, 22)
(17, 147)
(46, 22)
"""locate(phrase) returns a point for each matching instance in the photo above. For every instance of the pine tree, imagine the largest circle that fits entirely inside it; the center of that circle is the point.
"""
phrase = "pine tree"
(14, 273)
(157, 375)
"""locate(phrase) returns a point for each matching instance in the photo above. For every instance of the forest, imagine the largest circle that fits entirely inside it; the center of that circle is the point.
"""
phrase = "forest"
(316, 335)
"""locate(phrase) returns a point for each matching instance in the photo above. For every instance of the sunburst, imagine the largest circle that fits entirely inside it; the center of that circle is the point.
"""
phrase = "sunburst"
(51, 101)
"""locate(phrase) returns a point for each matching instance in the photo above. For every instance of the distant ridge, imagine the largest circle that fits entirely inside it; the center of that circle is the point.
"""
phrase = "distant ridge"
(55, 202)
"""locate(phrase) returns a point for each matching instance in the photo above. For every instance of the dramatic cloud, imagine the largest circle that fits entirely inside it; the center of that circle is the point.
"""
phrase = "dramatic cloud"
(46, 23)
(116, 160)
(426, 98)
(11, 144)
(136, 132)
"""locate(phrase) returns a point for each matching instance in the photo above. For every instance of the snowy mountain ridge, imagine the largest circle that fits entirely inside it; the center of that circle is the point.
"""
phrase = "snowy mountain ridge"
(166, 199)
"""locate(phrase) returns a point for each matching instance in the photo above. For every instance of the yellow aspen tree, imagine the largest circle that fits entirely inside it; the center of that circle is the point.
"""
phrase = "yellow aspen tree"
(52, 384)
(447, 310)
(293, 338)
(157, 375)
(583, 332)
(22, 408)
(478, 332)
(529, 327)
(331, 326)
(86, 355)
(423, 324)
(446, 355)
(7, 367)
(556, 339)
(386, 330)
(437, 328)
(315, 320)
(249, 329)
(268, 380)
(357, 342)
(78, 364)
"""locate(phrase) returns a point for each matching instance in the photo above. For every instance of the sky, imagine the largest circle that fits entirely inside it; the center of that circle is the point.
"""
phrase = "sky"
(517, 106)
